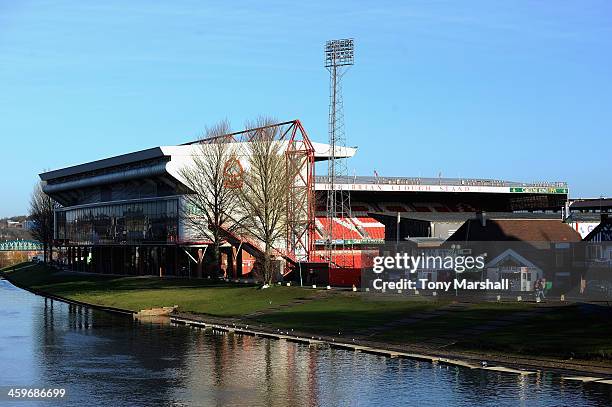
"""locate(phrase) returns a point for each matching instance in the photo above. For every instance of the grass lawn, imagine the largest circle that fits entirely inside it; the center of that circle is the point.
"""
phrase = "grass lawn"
(572, 331)
(136, 293)
(344, 312)
(578, 331)
(444, 325)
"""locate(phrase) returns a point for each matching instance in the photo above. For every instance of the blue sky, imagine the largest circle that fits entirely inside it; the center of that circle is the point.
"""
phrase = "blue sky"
(516, 90)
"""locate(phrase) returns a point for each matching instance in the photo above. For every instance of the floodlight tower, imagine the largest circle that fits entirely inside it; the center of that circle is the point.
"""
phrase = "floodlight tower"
(339, 56)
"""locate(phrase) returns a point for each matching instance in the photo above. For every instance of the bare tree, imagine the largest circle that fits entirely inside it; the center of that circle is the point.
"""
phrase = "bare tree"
(263, 196)
(208, 209)
(42, 207)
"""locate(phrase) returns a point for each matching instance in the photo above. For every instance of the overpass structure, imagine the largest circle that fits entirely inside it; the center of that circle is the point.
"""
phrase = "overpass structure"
(20, 246)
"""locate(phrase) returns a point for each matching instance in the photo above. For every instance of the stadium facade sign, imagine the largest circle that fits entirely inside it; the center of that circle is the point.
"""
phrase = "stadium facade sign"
(233, 173)
(439, 188)
(539, 190)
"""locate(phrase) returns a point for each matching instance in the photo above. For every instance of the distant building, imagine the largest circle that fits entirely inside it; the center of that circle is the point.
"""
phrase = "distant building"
(583, 222)
(522, 250)
(443, 225)
(603, 231)
(583, 214)
(596, 205)
(599, 243)
(14, 224)
(487, 228)
(510, 265)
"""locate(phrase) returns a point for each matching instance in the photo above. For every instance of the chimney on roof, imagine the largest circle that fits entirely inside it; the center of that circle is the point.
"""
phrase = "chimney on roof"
(482, 216)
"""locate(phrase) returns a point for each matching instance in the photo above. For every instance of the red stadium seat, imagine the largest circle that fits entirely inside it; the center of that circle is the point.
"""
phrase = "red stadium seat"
(340, 228)
(375, 232)
(373, 228)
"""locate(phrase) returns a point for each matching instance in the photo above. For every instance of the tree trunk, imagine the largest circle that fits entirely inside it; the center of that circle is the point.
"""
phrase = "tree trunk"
(267, 267)
(200, 261)
(216, 269)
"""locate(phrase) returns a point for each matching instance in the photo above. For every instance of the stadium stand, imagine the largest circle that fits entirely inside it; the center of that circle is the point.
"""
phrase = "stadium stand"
(372, 228)
(341, 228)
(431, 210)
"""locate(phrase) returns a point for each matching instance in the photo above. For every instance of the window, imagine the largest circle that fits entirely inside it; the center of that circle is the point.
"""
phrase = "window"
(595, 252)
(151, 221)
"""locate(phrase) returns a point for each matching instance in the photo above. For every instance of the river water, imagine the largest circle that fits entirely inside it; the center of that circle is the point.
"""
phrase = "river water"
(106, 359)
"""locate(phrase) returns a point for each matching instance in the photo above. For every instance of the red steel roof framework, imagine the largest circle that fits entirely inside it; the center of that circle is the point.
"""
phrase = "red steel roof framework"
(300, 197)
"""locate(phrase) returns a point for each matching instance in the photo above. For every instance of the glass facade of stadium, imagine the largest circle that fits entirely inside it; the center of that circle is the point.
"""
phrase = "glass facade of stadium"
(141, 222)
(130, 237)
(122, 215)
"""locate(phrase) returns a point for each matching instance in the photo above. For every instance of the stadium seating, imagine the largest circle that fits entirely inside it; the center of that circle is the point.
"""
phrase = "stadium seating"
(354, 228)
(396, 208)
(342, 229)
(373, 228)
(426, 207)
(462, 207)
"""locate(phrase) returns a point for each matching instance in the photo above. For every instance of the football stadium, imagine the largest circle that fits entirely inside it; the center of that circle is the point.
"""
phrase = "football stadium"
(127, 214)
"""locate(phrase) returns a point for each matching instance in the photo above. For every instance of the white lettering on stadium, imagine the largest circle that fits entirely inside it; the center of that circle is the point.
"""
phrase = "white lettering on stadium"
(415, 188)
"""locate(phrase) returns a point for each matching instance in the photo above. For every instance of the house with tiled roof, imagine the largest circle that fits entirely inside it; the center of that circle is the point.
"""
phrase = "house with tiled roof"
(598, 245)
(491, 229)
(523, 250)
